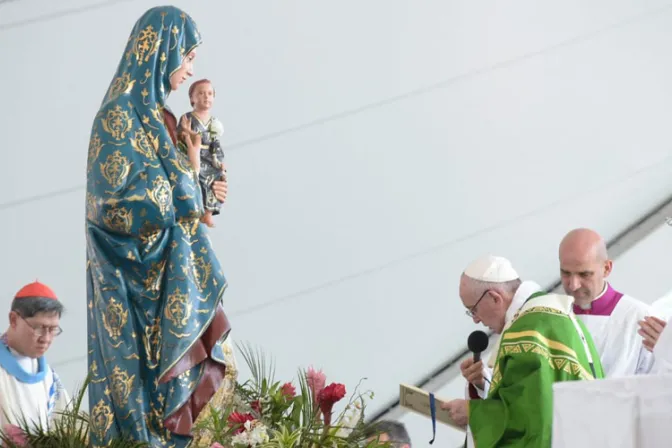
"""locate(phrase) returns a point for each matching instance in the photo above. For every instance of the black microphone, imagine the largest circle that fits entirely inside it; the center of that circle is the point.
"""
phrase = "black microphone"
(477, 343)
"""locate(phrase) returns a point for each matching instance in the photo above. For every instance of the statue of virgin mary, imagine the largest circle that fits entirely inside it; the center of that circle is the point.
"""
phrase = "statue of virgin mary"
(156, 327)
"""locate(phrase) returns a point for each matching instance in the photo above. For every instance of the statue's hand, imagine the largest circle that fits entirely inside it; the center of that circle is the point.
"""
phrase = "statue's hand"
(186, 127)
(221, 188)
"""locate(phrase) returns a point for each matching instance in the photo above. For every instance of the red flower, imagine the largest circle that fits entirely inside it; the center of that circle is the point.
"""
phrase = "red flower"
(237, 420)
(256, 406)
(330, 395)
(288, 390)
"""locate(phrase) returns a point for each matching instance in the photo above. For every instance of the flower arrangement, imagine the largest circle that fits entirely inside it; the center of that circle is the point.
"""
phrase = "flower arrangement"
(262, 413)
(266, 413)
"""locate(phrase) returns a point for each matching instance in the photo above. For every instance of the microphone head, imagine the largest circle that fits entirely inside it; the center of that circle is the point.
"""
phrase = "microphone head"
(477, 342)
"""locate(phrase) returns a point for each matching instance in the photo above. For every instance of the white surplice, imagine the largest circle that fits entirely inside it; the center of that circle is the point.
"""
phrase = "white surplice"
(663, 307)
(525, 290)
(24, 397)
(663, 351)
(616, 338)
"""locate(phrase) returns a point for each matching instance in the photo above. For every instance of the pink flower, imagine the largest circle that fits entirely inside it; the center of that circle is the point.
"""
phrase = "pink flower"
(15, 435)
(328, 397)
(288, 390)
(256, 406)
(316, 381)
(216, 445)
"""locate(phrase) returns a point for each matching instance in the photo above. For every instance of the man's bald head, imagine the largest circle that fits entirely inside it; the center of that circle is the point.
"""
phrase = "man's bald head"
(584, 265)
(584, 243)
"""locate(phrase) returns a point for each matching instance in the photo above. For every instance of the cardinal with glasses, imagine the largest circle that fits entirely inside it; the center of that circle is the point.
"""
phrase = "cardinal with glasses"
(30, 390)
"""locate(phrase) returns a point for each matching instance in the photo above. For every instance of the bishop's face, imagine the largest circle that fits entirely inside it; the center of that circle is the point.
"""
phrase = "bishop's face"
(32, 336)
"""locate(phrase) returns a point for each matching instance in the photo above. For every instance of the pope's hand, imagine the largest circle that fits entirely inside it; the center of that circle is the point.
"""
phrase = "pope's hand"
(458, 411)
(473, 372)
(650, 329)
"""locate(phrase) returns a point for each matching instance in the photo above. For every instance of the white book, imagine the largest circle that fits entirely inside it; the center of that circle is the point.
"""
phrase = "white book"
(417, 400)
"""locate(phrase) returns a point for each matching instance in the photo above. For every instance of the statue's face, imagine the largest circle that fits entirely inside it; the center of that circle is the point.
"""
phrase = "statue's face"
(185, 71)
(203, 96)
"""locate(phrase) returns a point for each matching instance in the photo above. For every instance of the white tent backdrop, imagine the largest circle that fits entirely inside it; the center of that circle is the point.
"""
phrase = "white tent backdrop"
(374, 148)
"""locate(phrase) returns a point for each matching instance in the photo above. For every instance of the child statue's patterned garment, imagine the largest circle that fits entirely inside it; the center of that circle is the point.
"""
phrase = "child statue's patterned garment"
(212, 157)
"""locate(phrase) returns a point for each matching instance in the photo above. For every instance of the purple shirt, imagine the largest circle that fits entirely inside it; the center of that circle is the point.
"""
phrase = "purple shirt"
(602, 306)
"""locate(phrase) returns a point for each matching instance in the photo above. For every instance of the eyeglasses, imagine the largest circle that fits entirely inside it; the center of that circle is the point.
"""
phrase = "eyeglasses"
(42, 330)
(472, 311)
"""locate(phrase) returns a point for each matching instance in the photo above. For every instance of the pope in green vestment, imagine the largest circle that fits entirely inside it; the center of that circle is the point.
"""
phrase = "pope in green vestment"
(544, 344)
(155, 320)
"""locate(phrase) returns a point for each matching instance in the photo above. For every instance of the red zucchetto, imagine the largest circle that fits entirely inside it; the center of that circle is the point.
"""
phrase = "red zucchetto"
(36, 289)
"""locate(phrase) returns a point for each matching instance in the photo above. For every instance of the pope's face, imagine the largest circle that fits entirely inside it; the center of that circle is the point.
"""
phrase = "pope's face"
(185, 71)
(484, 307)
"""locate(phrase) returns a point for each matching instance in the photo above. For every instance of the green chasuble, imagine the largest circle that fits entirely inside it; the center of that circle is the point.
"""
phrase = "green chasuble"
(541, 346)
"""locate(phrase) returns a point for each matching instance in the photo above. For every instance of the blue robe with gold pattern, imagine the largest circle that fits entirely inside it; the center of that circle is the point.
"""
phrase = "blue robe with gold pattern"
(154, 284)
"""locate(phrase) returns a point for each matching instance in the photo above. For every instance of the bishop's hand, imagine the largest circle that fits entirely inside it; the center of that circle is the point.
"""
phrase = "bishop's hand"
(650, 329)
(458, 411)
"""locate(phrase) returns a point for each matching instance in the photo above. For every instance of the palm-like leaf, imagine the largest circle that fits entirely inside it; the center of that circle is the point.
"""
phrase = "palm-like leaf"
(68, 429)
(262, 369)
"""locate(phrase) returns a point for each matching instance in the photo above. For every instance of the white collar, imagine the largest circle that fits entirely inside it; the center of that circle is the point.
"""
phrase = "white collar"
(525, 290)
(606, 285)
